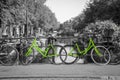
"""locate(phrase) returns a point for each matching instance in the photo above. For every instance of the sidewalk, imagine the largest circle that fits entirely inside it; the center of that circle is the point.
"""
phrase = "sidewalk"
(60, 72)
(61, 78)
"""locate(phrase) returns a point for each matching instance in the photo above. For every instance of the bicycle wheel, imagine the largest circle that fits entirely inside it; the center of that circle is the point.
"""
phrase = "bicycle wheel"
(59, 54)
(115, 57)
(54, 54)
(27, 59)
(101, 60)
(70, 54)
(63, 54)
(8, 55)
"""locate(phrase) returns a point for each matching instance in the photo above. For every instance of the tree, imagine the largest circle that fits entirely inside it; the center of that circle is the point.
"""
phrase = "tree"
(103, 10)
(99, 26)
(30, 12)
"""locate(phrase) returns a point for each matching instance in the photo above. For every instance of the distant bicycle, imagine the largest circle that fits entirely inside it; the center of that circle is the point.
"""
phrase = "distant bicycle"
(115, 55)
(114, 48)
(8, 54)
(51, 53)
(99, 54)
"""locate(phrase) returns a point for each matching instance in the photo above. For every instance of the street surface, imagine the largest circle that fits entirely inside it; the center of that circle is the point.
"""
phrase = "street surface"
(79, 71)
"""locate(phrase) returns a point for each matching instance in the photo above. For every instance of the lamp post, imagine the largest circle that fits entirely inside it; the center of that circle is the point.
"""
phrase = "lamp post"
(26, 19)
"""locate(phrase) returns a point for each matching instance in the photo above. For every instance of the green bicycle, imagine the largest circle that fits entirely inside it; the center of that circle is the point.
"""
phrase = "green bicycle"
(51, 53)
(99, 54)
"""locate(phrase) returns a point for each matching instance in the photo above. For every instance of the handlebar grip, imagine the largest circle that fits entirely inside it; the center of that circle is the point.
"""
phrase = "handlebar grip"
(55, 39)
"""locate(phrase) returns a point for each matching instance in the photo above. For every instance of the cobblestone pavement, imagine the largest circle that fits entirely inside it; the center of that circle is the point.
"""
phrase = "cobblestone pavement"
(60, 72)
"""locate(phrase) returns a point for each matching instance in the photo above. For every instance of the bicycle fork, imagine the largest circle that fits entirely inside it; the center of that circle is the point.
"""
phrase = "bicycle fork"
(96, 50)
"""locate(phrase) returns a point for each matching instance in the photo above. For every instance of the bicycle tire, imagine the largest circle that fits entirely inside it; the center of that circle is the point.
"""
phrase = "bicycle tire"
(57, 59)
(63, 54)
(26, 60)
(11, 56)
(69, 59)
(103, 60)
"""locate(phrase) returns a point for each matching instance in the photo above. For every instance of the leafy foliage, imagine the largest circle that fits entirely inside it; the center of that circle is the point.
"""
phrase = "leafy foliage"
(103, 10)
(100, 26)
(31, 12)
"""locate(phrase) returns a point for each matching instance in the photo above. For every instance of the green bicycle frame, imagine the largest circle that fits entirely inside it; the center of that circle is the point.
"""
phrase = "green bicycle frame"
(85, 51)
(38, 49)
